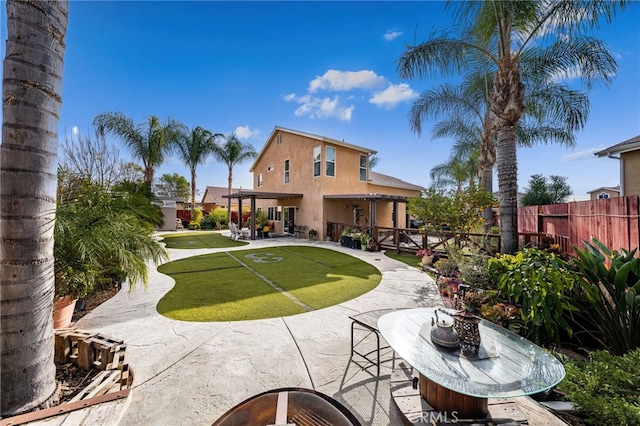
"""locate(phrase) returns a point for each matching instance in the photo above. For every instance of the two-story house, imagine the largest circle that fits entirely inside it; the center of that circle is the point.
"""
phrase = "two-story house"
(305, 179)
(628, 154)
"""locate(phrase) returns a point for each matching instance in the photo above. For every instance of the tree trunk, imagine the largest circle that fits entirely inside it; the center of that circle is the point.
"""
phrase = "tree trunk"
(193, 191)
(31, 90)
(508, 187)
(229, 180)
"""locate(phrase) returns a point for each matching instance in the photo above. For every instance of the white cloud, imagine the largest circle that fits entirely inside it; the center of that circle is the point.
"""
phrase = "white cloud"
(244, 132)
(580, 155)
(75, 131)
(317, 107)
(392, 34)
(393, 95)
(335, 80)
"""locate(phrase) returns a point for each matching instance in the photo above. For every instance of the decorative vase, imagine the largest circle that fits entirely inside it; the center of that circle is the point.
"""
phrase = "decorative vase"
(63, 309)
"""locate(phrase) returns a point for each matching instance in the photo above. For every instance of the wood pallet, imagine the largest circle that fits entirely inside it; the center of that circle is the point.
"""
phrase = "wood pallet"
(415, 410)
(87, 350)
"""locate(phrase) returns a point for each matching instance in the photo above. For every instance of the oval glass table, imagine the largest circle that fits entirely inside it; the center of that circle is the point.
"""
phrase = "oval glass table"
(506, 365)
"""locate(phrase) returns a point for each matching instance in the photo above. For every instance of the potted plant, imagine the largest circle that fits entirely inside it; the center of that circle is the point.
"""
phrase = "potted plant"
(426, 256)
(364, 240)
(313, 234)
(346, 239)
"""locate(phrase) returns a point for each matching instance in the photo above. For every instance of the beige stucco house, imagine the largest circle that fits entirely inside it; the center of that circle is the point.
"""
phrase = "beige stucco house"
(628, 154)
(309, 180)
(604, 192)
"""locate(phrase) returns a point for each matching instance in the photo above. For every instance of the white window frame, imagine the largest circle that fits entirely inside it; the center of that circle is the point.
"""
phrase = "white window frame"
(327, 161)
(279, 139)
(603, 196)
(364, 169)
(317, 160)
(271, 168)
(287, 165)
(260, 180)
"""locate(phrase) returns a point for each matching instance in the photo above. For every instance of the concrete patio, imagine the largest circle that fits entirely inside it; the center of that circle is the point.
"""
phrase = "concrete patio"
(190, 373)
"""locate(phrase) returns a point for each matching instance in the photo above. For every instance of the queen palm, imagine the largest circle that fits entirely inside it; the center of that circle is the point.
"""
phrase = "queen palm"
(232, 152)
(506, 33)
(467, 114)
(193, 148)
(31, 93)
(148, 141)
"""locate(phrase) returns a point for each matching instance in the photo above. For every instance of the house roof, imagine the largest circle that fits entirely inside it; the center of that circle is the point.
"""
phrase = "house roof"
(632, 144)
(262, 195)
(605, 188)
(214, 194)
(385, 180)
(366, 197)
(310, 136)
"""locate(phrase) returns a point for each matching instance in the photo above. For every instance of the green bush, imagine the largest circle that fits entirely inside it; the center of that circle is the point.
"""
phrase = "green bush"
(474, 271)
(606, 389)
(218, 217)
(540, 283)
(610, 281)
(446, 266)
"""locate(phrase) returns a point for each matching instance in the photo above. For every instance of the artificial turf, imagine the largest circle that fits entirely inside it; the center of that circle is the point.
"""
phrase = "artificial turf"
(231, 286)
(199, 239)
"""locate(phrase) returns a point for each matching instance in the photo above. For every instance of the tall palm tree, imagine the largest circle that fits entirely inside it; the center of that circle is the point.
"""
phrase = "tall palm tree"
(232, 152)
(506, 33)
(193, 149)
(31, 93)
(148, 141)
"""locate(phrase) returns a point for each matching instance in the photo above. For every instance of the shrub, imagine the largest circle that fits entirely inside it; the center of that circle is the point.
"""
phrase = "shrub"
(218, 217)
(540, 283)
(605, 390)
(447, 266)
(474, 271)
(611, 284)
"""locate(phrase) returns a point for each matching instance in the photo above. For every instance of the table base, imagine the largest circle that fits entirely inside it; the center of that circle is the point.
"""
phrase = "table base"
(446, 400)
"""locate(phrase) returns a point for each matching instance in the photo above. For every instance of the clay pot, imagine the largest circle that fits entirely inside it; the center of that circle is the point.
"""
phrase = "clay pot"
(63, 309)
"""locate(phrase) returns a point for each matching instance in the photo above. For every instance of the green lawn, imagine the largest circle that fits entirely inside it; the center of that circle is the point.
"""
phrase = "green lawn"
(199, 239)
(231, 286)
(409, 259)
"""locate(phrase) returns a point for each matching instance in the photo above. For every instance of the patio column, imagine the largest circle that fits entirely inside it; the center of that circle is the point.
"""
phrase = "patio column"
(252, 232)
(372, 212)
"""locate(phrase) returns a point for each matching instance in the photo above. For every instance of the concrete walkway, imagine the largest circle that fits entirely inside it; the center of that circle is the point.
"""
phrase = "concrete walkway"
(190, 373)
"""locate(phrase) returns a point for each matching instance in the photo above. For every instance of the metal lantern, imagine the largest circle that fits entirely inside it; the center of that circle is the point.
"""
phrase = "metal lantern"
(466, 325)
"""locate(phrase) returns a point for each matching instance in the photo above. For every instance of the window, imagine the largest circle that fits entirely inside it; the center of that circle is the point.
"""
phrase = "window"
(330, 161)
(316, 161)
(279, 139)
(270, 168)
(603, 195)
(286, 171)
(271, 213)
(259, 179)
(363, 168)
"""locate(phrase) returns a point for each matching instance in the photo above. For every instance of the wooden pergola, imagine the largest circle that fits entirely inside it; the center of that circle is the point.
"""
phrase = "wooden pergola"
(253, 196)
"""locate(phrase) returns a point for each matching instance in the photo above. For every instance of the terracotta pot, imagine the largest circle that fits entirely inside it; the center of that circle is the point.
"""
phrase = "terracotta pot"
(63, 308)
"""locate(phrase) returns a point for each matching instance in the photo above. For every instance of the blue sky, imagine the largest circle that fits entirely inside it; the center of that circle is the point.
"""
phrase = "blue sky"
(322, 67)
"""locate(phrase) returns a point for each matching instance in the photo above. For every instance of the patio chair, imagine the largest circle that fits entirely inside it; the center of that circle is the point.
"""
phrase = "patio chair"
(289, 406)
(243, 233)
(234, 231)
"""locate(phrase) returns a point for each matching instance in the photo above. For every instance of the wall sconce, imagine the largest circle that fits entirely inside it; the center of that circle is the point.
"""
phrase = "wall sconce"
(297, 208)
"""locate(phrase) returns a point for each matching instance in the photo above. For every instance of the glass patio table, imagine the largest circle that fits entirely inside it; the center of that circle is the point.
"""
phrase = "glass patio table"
(507, 365)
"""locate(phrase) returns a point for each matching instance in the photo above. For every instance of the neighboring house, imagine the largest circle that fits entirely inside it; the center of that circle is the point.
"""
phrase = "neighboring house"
(213, 198)
(628, 154)
(604, 192)
(305, 179)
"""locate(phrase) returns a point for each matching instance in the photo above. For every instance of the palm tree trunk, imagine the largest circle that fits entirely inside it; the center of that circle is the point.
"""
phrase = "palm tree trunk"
(508, 187)
(32, 87)
(193, 190)
(486, 183)
(229, 180)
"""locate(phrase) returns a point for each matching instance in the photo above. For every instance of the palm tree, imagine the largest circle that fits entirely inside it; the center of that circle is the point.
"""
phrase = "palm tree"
(506, 33)
(148, 141)
(233, 152)
(31, 93)
(459, 169)
(193, 148)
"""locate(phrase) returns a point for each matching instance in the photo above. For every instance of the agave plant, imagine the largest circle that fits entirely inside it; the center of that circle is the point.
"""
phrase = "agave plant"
(611, 284)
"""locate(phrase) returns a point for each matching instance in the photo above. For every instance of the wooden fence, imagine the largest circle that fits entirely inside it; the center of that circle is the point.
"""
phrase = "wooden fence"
(613, 221)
